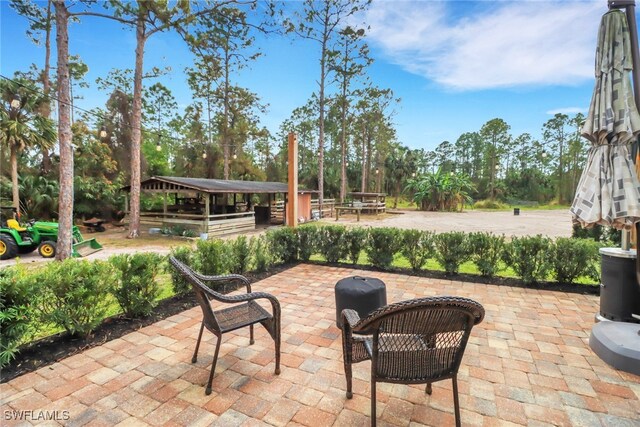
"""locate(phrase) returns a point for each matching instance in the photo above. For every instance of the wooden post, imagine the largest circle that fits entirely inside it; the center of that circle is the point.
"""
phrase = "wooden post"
(206, 213)
(292, 206)
(164, 204)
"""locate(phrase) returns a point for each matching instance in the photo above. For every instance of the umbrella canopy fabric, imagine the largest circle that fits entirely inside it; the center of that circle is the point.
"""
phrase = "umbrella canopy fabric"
(609, 191)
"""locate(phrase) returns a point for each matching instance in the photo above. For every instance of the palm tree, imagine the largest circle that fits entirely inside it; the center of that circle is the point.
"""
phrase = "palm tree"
(20, 124)
(398, 168)
(39, 196)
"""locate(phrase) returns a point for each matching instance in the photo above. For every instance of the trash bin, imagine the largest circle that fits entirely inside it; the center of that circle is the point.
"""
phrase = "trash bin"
(362, 294)
(516, 211)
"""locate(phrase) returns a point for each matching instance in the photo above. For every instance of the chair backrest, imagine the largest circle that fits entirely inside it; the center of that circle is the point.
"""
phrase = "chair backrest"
(422, 339)
(199, 288)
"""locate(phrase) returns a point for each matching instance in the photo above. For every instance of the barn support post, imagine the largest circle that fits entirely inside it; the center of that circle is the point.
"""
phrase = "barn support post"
(292, 205)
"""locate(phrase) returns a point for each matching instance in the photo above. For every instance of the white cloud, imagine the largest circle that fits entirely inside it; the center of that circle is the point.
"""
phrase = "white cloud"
(485, 45)
(567, 110)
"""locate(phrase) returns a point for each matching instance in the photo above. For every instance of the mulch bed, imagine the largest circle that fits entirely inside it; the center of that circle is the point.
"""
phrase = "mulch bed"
(51, 349)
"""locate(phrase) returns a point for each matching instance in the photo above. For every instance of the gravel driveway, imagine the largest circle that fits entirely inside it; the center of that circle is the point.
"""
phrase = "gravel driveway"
(551, 223)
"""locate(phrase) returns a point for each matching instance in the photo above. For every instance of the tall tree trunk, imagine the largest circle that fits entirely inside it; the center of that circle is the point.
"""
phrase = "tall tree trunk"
(14, 177)
(379, 174)
(136, 133)
(321, 101)
(65, 198)
(363, 181)
(225, 129)
(561, 170)
(368, 163)
(395, 202)
(343, 142)
(45, 167)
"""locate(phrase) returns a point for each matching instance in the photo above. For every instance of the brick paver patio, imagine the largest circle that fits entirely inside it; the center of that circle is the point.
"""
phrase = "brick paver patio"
(528, 363)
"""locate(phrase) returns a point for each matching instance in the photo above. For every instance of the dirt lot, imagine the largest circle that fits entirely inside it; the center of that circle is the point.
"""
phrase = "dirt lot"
(552, 223)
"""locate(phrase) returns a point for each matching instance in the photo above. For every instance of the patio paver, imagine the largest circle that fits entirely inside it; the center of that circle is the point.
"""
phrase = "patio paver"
(528, 363)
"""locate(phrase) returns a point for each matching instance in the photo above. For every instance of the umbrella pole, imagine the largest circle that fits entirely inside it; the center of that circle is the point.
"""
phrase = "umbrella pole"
(629, 6)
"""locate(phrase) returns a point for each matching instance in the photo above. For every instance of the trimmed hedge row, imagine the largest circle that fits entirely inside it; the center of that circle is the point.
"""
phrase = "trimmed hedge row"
(75, 295)
(532, 258)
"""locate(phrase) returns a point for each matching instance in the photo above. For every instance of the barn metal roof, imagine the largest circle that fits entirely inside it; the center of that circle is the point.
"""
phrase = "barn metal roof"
(213, 186)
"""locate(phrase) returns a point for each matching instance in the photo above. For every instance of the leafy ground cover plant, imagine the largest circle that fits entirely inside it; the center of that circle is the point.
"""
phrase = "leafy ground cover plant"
(573, 258)
(307, 241)
(179, 283)
(417, 247)
(356, 240)
(261, 256)
(486, 252)
(211, 257)
(333, 243)
(240, 255)
(137, 290)
(382, 245)
(16, 311)
(75, 294)
(452, 250)
(529, 257)
(283, 243)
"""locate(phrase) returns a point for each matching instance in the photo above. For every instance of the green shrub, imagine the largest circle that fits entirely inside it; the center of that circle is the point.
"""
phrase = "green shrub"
(452, 250)
(529, 257)
(16, 311)
(382, 245)
(283, 243)
(333, 243)
(75, 294)
(572, 258)
(260, 250)
(307, 241)
(240, 255)
(211, 257)
(607, 235)
(417, 247)
(356, 240)
(486, 252)
(184, 254)
(137, 289)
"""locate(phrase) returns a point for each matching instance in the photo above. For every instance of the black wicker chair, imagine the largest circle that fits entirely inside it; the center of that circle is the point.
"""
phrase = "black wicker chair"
(412, 342)
(245, 312)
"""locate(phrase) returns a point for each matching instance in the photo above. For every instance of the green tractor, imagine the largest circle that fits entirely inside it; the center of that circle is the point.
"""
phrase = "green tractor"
(16, 239)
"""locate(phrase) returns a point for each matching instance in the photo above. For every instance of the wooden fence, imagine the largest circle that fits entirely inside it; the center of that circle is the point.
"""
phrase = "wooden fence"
(215, 225)
(277, 209)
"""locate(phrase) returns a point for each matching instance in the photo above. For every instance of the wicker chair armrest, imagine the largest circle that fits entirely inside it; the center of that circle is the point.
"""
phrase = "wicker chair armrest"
(350, 317)
(234, 299)
(224, 278)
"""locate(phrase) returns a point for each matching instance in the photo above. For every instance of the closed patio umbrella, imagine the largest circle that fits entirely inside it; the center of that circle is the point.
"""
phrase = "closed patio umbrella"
(609, 191)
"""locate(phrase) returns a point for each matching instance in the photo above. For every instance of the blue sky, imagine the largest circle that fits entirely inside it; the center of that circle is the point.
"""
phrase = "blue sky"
(454, 64)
